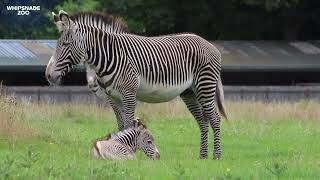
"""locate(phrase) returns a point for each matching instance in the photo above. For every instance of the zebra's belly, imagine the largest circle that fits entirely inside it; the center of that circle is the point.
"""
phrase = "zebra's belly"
(158, 93)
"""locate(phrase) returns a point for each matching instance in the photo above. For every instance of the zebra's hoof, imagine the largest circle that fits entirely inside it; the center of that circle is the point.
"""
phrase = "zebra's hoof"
(217, 157)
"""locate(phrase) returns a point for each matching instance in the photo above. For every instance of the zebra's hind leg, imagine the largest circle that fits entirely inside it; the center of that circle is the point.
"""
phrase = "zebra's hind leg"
(215, 124)
(189, 98)
(205, 93)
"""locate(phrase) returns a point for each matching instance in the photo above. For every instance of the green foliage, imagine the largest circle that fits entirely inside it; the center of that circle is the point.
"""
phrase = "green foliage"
(227, 20)
(181, 173)
(72, 6)
(228, 176)
(51, 171)
(109, 171)
(277, 169)
(29, 159)
(6, 167)
(143, 16)
(270, 5)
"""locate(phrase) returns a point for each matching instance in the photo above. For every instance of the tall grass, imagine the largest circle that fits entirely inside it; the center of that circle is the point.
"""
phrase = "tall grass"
(237, 111)
(260, 141)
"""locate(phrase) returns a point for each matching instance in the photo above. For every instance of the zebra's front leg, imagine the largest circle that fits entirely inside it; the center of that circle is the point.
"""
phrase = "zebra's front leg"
(101, 94)
(195, 108)
(129, 106)
(118, 111)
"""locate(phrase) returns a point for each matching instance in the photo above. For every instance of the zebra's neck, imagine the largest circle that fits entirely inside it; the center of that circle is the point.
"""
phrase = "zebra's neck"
(100, 54)
(127, 137)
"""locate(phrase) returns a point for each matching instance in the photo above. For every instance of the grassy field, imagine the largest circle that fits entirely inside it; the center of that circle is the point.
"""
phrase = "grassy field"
(260, 141)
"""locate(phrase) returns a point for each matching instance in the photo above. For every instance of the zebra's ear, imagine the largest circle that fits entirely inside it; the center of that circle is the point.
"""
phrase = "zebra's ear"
(136, 122)
(57, 21)
(64, 18)
(55, 17)
(108, 137)
(140, 123)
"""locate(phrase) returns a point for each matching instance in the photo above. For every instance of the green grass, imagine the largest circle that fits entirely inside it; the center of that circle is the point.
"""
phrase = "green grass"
(260, 141)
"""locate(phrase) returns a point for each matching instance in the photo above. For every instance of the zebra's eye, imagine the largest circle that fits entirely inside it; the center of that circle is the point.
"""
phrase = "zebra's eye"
(149, 141)
(66, 43)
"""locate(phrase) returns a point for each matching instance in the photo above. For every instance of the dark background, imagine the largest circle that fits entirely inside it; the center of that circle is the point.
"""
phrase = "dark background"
(211, 19)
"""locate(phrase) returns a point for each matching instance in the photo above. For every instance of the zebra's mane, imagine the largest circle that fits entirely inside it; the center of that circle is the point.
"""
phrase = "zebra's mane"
(102, 21)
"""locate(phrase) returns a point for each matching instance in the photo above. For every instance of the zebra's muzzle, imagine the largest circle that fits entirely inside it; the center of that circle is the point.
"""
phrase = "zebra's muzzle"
(53, 78)
(157, 157)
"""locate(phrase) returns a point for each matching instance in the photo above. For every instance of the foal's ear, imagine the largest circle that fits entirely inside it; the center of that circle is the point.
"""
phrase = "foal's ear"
(138, 122)
(108, 136)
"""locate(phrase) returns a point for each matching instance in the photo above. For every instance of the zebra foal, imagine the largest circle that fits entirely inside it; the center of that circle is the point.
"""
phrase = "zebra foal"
(123, 145)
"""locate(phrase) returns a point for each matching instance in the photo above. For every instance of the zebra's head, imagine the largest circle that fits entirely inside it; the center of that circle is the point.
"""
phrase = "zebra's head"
(145, 141)
(69, 51)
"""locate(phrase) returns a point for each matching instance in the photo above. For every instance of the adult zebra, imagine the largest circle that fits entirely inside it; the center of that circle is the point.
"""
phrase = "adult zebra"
(149, 69)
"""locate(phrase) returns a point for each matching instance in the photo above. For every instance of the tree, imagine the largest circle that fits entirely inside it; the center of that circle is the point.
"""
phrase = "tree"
(211, 19)
(290, 15)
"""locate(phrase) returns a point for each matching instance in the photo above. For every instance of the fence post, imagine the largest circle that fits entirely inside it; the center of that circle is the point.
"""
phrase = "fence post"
(69, 95)
(38, 95)
(307, 93)
(267, 94)
(241, 93)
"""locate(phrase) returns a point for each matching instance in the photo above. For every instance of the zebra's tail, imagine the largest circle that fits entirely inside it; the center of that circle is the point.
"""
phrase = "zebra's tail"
(220, 99)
